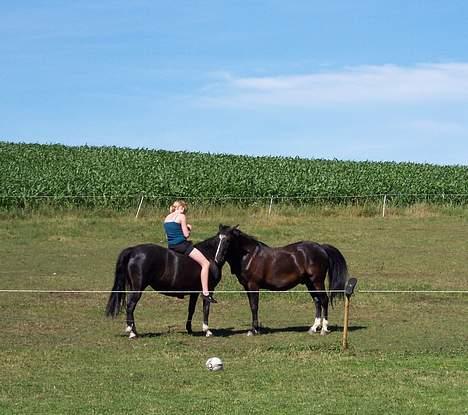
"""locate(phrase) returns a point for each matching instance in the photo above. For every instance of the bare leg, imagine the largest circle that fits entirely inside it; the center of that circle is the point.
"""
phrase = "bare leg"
(205, 267)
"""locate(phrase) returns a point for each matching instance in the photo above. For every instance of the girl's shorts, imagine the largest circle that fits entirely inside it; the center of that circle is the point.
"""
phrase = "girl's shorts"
(185, 247)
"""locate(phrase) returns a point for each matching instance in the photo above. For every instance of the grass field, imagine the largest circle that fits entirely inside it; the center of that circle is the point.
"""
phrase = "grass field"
(408, 351)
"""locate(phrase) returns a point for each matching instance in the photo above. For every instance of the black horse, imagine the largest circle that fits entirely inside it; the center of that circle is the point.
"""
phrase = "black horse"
(256, 266)
(168, 272)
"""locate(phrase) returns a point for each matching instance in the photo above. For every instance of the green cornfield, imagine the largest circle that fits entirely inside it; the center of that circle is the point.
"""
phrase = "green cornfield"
(116, 177)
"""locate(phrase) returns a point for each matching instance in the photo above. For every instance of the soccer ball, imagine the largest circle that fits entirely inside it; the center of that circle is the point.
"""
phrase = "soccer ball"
(214, 364)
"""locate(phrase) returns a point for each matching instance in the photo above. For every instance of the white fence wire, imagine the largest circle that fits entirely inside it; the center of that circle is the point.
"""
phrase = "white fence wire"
(39, 291)
(141, 201)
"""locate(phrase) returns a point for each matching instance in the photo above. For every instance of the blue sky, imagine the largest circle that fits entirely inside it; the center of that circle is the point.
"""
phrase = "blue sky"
(352, 80)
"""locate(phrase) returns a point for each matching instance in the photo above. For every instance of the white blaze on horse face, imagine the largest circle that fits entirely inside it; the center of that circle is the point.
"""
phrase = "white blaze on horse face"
(221, 240)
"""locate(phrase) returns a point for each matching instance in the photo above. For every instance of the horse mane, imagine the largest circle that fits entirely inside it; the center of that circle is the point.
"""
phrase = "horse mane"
(249, 238)
(209, 242)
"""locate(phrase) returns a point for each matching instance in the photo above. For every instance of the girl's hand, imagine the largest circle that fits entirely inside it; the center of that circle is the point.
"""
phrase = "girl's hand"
(189, 227)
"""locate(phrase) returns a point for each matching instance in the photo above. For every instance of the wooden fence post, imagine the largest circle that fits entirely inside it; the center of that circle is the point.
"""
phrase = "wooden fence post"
(384, 205)
(349, 289)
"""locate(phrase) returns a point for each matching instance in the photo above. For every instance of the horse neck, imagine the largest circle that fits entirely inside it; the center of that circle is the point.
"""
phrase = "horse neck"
(249, 244)
(244, 245)
(207, 247)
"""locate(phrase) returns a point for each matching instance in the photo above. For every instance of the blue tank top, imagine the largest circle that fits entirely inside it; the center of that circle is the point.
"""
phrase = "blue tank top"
(174, 233)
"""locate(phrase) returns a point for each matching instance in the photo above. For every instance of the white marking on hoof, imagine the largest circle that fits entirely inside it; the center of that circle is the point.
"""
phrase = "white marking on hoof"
(128, 329)
(132, 335)
(250, 333)
(317, 324)
(325, 328)
(206, 330)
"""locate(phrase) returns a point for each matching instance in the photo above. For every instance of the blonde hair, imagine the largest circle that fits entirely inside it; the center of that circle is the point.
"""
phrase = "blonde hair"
(178, 203)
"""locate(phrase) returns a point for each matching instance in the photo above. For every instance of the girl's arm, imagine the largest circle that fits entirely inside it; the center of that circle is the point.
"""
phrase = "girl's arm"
(183, 224)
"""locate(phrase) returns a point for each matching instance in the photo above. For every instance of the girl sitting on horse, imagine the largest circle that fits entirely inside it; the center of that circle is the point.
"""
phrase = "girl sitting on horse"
(177, 232)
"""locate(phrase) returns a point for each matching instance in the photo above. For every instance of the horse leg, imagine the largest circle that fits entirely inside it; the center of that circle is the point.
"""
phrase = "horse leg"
(324, 302)
(253, 301)
(321, 313)
(191, 310)
(206, 313)
(320, 298)
(132, 301)
(318, 315)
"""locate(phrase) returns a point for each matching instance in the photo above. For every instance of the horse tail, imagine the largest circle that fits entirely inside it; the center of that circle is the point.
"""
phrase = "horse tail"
(337, 271)
(117, 297)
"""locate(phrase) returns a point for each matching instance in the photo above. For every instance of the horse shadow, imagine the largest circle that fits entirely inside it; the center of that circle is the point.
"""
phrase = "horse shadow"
(230, 331)
(151, 335)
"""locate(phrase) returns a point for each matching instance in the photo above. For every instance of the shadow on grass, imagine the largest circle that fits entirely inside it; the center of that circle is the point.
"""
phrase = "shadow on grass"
(151, 335)
(231, 331)
(227, 332)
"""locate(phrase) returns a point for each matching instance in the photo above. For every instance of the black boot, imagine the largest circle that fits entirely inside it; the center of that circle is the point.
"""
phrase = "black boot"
(209, 298)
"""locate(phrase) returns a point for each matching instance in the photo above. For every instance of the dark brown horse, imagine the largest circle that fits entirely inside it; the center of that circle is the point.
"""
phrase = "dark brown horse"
(165, 271)
(257, 266)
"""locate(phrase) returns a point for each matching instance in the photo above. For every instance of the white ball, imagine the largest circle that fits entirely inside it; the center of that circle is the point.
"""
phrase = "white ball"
(214, 364)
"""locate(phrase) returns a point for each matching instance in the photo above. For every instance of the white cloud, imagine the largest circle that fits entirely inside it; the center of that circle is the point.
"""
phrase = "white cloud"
(360, 84)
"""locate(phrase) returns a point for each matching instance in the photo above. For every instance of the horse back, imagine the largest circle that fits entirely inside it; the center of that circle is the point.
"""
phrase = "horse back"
(286, 265)
(163, 269)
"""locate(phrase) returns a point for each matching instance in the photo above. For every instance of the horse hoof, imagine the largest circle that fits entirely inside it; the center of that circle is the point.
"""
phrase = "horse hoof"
(208, 333)
(250, 333)
(128, 329)
(313, 330)
(324, 332)
(132, 335)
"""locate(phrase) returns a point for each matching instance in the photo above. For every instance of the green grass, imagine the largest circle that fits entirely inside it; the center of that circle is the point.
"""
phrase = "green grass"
(408, 352)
